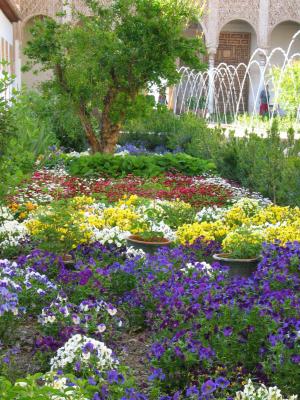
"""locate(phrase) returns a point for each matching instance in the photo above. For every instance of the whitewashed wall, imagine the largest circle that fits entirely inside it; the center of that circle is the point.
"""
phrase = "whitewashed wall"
(9, 48)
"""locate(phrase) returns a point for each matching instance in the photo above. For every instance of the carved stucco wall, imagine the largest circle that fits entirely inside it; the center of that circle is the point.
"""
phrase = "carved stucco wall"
(31, 8)
(280, 11)
(238, 9)
(262, 15)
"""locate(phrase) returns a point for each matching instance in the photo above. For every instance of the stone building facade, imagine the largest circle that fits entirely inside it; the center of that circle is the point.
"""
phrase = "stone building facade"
(232, 29)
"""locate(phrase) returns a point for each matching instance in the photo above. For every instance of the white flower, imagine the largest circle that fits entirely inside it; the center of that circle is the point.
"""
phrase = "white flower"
(81, 348)
(250, 392)
(210, 214)
(199, 266)
(76, 319)
(110, 235)
(163, 228)
(101, 328)
(132, 252)
(11, 233)
(50, 319)
(112, 310)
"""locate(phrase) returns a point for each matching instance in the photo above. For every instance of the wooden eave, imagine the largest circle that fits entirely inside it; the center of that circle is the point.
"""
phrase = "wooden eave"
(10, 10)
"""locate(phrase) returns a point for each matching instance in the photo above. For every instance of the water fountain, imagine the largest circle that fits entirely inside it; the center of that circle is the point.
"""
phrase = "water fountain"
(230, 94)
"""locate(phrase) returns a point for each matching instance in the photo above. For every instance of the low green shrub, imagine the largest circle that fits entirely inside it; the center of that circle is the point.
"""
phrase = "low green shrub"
(23, 139)
(161, 128)
(54, 114)
(268, 165)
(144, 166)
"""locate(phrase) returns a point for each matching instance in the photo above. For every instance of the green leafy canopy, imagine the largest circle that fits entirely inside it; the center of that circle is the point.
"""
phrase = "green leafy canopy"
(104, 62)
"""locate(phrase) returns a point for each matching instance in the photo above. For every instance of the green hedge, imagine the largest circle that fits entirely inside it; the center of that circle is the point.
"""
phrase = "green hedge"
(144, 166)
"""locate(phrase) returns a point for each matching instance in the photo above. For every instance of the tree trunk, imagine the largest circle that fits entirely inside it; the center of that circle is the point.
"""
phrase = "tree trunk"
(110, 131)
(91, 136)
(109, 135)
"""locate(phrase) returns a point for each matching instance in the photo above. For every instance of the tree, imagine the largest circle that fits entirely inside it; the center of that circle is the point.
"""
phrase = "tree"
(105, 63)
(287, 87)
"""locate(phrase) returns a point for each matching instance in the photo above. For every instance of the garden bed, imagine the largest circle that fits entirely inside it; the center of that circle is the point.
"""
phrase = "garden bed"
(120, 324)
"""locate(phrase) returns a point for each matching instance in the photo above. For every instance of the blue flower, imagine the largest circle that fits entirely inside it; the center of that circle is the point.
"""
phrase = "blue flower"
(227, 331)
(208, 387)
(222, 382)
(92, 381)
(157, 373)
(114, 376)
(191, 391)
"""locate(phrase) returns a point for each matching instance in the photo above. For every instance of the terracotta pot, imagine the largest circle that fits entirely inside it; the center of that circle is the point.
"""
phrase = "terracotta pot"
(148, 246)
(238, 267)
(68, 259)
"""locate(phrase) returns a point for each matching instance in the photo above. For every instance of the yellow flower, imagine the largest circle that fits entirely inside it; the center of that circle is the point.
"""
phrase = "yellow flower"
(128, 201)
(23, 215)
(96, 221)
(81, 201)
(123, 218)
(285, 232)
(274, 214)
(208, 230)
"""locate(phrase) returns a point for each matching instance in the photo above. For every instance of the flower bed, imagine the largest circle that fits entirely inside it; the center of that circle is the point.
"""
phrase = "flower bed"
(48, 185)
(205, 335)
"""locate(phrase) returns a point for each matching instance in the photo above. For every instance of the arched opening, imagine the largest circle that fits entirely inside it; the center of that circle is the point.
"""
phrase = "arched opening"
(237, 42)
(283, 64)
(30, 79)
(281, 37)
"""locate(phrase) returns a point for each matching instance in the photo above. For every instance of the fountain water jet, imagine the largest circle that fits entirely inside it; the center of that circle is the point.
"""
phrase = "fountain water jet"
(230, 85)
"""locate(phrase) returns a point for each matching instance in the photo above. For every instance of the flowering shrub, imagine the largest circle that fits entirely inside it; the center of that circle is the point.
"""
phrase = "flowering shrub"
(90, 317)
(21, 291)
(244, 227)
(83, 354)
(213, 333)
(188, 233)
(59, 227)
(12, 232)
(250, 392)
(210, 333)
(243, 243)
(67, 224)
(24, 288)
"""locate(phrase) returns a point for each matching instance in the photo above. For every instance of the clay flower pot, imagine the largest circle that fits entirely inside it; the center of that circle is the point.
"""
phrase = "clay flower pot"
(238, 267)
(147, 245)
(68, 259)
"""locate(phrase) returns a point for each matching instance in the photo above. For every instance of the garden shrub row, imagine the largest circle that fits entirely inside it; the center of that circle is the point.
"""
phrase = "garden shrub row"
(269, 165)
(144, 166)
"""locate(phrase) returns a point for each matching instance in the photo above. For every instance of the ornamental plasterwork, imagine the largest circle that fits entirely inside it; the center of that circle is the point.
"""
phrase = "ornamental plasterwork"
(280, 11)
(238, 9)
(31, 8)
(81, 6)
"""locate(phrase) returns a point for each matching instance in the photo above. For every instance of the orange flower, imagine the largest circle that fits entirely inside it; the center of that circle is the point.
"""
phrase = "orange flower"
(30, 206)
(14, 206)
(23, 215)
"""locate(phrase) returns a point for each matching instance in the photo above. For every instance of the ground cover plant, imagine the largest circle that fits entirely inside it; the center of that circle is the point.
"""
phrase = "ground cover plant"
(93, 319)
